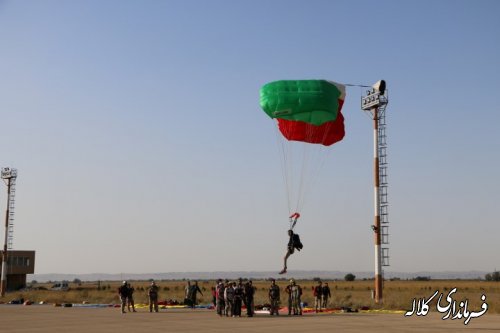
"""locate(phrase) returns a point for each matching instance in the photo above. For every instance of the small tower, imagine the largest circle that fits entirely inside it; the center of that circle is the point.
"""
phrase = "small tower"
(10, 176)
(375, 102)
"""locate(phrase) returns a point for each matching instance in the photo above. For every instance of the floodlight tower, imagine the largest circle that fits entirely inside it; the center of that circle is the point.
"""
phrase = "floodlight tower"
(375, 103)
(9, 175)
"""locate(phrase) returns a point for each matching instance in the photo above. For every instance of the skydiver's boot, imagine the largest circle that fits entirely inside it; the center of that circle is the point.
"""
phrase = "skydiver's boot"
(283, 271)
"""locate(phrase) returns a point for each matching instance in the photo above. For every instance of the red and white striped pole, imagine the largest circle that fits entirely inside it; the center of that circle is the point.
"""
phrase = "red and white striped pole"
(376, 228)
(374, 99)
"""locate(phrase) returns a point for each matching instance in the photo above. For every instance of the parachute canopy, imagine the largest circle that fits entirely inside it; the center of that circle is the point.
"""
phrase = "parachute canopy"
(306, 110)
(308, 116)
(311, 101)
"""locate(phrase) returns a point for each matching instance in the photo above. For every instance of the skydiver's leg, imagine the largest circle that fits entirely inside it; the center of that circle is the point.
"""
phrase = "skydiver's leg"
(287, 255)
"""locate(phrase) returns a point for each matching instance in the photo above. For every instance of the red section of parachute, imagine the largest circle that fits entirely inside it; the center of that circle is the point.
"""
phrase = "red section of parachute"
(326, 134)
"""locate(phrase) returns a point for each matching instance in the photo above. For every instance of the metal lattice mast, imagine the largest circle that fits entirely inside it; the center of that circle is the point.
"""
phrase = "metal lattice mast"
(10, 176)
(375, 102)
(10, 222)
(383, 186)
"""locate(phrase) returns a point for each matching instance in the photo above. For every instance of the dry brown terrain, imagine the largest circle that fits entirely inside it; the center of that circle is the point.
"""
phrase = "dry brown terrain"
(398, 295)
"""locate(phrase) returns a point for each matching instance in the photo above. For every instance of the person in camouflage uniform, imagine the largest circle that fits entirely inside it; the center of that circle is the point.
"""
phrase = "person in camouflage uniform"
(296, 293)
(274, 298)
(288, 291)
(318, 293)
(153, 297)
(219, 296)
(229, 299)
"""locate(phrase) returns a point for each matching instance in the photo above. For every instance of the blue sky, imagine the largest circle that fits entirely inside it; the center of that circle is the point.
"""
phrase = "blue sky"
(136, 130)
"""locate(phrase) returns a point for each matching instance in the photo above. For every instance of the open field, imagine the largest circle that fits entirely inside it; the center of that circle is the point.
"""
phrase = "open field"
(398, 295)
(46, 318)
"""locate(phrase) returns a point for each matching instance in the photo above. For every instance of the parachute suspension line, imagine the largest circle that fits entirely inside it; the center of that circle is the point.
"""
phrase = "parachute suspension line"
(313, 159)
(283, 163)
(306, 152)
(306, 136)
(304, 171)
(301, 164)
(294, 166)
(296, 161)
(313, 162)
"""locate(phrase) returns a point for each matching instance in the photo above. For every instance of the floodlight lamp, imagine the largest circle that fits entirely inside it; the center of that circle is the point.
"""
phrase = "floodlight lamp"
(379, 86)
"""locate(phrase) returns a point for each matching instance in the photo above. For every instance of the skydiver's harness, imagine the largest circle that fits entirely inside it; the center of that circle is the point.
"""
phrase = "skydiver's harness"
(295, 241)
(293, 220)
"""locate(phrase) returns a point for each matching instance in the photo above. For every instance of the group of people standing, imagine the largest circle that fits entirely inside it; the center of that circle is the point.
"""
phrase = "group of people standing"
(191, 294)
(126, 294)
(294, 293)
(230, 296)
(321, 295)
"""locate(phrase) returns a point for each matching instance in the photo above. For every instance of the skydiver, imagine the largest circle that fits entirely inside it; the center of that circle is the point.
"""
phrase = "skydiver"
(293, 242)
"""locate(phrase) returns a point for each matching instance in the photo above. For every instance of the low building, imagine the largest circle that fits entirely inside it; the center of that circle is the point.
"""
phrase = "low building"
(19, 264)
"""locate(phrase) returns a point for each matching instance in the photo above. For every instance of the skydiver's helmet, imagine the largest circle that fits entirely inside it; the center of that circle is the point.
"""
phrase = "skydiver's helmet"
(124, 282)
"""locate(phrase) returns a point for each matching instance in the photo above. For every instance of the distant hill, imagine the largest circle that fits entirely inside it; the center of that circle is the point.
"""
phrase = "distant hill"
(327, 275)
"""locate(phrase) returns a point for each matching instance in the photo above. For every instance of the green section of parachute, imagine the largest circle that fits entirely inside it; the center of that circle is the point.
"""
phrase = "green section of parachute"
(310, 101)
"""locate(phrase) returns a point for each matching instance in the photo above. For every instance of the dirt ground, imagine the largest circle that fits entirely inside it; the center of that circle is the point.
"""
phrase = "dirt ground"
(46, 318)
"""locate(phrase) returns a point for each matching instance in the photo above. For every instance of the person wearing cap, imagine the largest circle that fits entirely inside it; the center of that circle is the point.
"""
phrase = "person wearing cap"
(153, 297)
(123, 294)
(274, 298)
